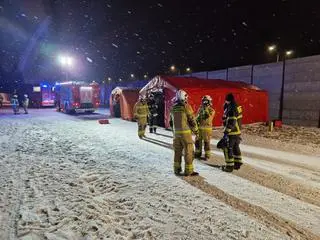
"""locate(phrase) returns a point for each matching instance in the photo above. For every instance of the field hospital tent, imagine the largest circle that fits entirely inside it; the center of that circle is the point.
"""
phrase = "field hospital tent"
(253, 100)
(123, 99)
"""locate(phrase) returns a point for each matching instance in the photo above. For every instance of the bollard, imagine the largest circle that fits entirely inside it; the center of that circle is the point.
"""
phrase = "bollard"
(270, 126)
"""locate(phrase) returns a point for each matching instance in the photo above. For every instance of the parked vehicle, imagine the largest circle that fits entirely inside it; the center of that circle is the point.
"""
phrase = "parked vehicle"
(77, 97)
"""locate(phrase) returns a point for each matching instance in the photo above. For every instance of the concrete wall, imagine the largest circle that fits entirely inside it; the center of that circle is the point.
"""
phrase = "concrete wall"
(269, 78)
(242, 73)
(302, 91)
(301, 103)
(200, 75)
(219, 74)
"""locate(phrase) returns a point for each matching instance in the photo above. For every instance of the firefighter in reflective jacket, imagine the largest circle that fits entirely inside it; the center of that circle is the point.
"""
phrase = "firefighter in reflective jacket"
(141, 113)
(183, 124)
(204, 119)
(232, 133)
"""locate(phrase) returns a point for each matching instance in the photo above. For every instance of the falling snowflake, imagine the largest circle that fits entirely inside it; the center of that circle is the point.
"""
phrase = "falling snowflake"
(108, 5)
(89, 60)
(170, 43)
(23, 15)
(129, 12)
(86, 15)
(115, 45)
(245, 24)
(104, 58)
(160, 5)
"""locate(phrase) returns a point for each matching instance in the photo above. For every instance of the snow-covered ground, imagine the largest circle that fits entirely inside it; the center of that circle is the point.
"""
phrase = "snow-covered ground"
(68, 177)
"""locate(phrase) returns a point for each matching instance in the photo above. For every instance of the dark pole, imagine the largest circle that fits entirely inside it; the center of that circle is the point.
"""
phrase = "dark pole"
(252, 66)
(282, 88)
(227, 74)
(207, 75)
(319, 120)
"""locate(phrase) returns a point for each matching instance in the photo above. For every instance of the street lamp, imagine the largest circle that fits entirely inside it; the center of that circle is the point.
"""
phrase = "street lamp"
(145, 76)
(289, 53)
(132, 75)
(109, 79)
(188, 69)
(66, 61)
(273, 48)
(284, 55)
(174, 69)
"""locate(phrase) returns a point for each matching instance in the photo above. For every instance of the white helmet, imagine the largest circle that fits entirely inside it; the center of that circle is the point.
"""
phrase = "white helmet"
(142, 98)
(181, 96)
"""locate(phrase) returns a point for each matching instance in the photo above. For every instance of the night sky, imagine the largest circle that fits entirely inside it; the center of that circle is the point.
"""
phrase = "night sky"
(117, 38)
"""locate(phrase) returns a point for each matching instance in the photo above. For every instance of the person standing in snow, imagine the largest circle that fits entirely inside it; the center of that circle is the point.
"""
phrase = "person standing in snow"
(153, 113)
(183, 123)
(204, 119)
(232, 133)
(141, 112)
(25, 103)
(1, 101)
(15, 104)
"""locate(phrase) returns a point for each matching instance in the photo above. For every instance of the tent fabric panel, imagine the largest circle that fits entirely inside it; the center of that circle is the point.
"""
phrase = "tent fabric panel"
(127, 102)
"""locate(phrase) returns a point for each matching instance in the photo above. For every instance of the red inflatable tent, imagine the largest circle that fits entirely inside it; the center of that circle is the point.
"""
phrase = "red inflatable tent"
(127, 98)
(253, 100)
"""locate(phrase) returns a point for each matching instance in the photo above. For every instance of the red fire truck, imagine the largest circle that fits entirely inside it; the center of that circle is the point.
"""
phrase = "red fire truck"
(77, 97)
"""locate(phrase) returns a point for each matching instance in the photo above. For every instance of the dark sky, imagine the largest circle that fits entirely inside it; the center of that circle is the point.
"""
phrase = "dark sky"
(116, 38)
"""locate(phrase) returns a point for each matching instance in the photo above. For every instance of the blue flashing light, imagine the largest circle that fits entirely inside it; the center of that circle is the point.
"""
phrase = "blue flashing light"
(44, 85)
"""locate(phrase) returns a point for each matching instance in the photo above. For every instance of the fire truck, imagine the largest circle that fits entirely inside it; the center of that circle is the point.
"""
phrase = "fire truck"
(77, 97)
(42, 95)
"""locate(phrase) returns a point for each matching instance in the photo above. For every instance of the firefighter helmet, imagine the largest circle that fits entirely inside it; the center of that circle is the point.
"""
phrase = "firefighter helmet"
(142, 98)
(206, 100)
(181, 96)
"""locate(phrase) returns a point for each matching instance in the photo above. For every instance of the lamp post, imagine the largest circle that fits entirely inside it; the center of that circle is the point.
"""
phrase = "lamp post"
(66, 62)
(284, 54)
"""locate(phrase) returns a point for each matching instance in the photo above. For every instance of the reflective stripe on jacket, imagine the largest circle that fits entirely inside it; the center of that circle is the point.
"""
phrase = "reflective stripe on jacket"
(233, 120)
(182, 119)
(141, 110)
(205, 117)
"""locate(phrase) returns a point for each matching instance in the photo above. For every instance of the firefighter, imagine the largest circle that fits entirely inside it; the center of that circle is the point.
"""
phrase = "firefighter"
(153, 114)
(141, 113)
(183, 123)
(25, 103)
(232, 133)
(204, 119)
(15, 104)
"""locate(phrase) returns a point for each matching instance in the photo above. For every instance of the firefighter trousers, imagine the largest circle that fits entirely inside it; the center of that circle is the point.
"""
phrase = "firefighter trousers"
(203, 140)
(153, 124)
(142, 124)
(183, 144)
(232, 153)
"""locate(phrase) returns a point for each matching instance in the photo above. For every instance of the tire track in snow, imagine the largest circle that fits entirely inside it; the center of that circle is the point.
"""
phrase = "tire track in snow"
(269, 219)
(267, 179)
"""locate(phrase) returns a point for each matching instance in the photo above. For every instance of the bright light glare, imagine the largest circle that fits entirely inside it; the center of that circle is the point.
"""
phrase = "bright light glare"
(66, 61)
(132, 75)
(173, 68)
(272, 48)
(109, 79)
(145, 76)
(288, 53)
(188, 69)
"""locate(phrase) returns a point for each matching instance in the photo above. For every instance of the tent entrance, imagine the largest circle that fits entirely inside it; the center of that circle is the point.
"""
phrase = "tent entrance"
(159, 99)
